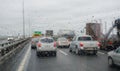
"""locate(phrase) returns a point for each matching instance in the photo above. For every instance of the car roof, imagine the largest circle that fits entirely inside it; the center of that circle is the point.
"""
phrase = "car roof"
(61, 37)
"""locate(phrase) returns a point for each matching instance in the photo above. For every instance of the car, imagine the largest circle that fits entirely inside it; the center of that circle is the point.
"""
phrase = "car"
(46, 45)
(34, 42)
(10, 39)
(114, 57)
(62, 42)
(82, 44)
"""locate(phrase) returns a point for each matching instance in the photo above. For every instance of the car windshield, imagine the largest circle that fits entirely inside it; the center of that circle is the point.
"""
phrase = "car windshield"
(84, 39)
(47, 40)
(59, 35)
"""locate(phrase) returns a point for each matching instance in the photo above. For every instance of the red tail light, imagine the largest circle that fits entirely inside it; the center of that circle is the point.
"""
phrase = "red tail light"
(110, 43)
(98, 44)
(39, 44)
(55, 44)
(81, 44)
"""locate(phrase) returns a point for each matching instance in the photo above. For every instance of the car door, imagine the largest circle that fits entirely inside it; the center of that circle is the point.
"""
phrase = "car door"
(72, 43)
(117, 56)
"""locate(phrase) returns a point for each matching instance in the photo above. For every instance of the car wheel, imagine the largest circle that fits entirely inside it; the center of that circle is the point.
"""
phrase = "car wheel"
(37, 53)
(58, 47)
(110, 62)
(81, 52)
(70, 50)
(95, 53)
(31, 47)
(55, 53)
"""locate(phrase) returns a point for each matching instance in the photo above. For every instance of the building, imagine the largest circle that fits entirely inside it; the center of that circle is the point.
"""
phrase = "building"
(94, 29)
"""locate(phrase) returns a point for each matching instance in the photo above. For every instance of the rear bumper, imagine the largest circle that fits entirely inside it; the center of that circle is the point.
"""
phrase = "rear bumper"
(89, 51)
(46, 50)
(33, 46)
(89, 48)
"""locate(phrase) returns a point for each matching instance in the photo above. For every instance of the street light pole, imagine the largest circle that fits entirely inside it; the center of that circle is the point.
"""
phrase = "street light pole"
(23, 21)
(29, 27)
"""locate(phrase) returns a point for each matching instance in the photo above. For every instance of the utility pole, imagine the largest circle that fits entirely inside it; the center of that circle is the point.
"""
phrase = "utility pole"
(23, 20)
(29, 27)
(105, 27)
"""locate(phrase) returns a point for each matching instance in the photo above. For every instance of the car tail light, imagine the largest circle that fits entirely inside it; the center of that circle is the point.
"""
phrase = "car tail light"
(39, 44)
(110, 43)
(98, 44)
(54, 44)
(81, 44)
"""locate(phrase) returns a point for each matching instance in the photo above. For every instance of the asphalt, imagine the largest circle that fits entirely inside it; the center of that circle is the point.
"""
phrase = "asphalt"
(64, 61)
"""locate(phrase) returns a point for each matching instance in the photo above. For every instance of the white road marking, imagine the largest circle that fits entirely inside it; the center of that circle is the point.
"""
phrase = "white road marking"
(22, 64)
(63, 52)
(101, 53)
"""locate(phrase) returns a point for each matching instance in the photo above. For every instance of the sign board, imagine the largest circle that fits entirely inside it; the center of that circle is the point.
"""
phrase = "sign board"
(37, 34)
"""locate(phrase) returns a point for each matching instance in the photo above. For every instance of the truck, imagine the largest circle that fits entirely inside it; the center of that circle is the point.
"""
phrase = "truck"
(82, 44)
(69, 34)
(49, 32)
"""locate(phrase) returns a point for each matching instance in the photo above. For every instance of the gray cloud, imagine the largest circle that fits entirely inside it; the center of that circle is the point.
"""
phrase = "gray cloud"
(55, 14)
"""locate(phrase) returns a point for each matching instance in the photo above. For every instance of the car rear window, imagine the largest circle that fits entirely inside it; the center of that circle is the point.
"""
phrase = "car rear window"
(62, 39)
(47, 40)
(35, 39)
(84, 39)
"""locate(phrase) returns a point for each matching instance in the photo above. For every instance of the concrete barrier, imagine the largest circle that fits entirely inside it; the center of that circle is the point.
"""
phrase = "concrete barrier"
(9, 48)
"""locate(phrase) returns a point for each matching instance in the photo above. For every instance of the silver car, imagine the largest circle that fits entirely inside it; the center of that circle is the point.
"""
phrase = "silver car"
(62, 42)
(46, 45)
(33, 42)
(114, 57)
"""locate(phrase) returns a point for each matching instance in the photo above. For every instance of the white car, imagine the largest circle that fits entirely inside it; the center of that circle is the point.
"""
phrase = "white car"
(63, 42)
(84, 44)
(10, 39)
(46, 45)
(114, 57)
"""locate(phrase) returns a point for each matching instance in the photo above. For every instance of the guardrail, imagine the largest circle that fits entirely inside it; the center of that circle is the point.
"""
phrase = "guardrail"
(9, 47)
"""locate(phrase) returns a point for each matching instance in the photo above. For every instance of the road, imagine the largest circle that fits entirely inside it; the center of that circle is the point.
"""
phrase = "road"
(64, 61)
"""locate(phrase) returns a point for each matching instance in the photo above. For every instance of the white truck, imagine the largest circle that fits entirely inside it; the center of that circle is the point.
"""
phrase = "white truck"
(84, 44)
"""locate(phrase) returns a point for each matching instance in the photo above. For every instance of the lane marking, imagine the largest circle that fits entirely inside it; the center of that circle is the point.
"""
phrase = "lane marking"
(101, 53)
(23, 62)
(63, 52)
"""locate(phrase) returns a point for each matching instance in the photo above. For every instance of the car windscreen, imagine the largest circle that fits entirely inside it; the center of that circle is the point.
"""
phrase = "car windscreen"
(84, 39)
(35, 39)
(47, 40)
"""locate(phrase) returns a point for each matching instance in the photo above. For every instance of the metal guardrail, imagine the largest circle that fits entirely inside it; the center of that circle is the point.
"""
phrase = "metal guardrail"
(10, 45)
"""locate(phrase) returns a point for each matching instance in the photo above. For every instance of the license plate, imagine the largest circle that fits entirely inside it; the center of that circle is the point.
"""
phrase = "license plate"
(89, 48)
(47, 46)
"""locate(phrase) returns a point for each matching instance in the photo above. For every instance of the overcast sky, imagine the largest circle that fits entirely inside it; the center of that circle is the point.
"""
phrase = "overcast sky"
(55, 14)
